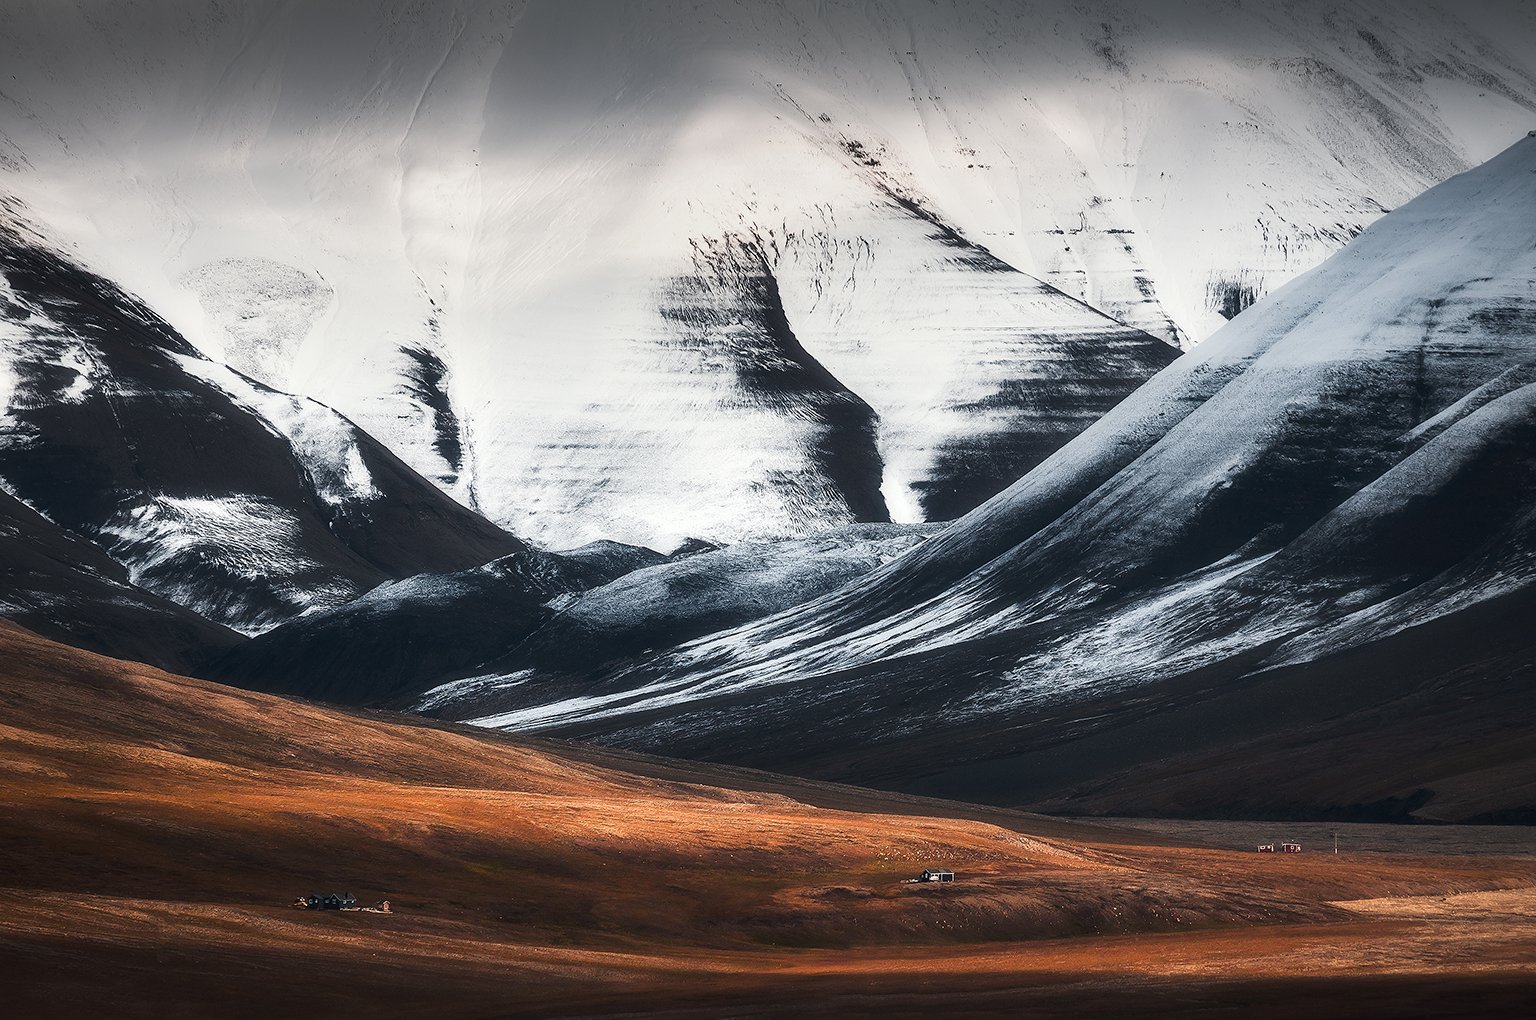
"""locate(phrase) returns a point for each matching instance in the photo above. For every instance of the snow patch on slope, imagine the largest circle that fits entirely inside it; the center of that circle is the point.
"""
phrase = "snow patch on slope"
(325, 442)
(240, 537)
(258, 313)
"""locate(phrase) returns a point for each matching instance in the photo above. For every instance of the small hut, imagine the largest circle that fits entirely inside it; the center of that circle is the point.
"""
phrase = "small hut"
(937, 875)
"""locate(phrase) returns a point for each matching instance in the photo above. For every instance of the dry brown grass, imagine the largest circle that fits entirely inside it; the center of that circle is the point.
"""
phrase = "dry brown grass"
(154, 826)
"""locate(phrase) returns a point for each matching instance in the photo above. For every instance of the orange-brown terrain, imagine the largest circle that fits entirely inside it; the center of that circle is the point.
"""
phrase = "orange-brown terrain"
(153, 829)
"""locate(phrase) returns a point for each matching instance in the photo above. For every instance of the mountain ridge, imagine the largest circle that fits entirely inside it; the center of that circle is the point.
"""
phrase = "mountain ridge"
(370, 181)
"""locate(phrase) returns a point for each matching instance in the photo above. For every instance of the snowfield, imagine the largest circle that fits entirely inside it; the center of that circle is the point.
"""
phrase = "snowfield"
(690, 249)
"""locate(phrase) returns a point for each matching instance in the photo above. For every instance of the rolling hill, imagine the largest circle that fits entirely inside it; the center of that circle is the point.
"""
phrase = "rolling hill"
(157, 827)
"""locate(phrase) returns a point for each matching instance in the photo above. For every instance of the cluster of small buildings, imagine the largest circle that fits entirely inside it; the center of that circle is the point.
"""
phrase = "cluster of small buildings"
(339, 901)
(1285, 848)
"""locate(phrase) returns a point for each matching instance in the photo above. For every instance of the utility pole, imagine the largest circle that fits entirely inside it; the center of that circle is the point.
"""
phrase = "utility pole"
(1335, 842)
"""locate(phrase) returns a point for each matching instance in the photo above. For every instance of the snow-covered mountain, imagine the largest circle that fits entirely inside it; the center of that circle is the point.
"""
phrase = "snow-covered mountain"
(757, 267)
(1349, 462)
(243, 504)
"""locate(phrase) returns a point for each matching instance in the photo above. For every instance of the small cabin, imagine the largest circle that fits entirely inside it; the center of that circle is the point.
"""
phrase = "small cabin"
(1290, 848)
(937, 875)
(1266, 848)
(329, 901)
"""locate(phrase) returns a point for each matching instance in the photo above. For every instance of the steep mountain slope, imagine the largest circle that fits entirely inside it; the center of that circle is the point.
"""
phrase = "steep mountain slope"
(527, 245)
(63, 587)
(1353, 457)
(239, 502)
(1429, 722)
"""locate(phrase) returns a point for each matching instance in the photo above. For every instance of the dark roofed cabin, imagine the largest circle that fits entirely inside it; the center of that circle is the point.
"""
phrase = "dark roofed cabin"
(937, 875)
(333, 901)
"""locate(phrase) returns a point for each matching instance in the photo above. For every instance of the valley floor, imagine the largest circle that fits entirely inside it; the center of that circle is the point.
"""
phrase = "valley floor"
(1471, 954)
(153, 827)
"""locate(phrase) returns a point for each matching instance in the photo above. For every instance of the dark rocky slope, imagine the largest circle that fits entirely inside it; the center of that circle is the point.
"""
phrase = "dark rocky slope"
(64, 588)
(399, 639)
(237, 501)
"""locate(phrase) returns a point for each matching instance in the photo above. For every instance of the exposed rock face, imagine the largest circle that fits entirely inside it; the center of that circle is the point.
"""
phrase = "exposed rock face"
(472, 227)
